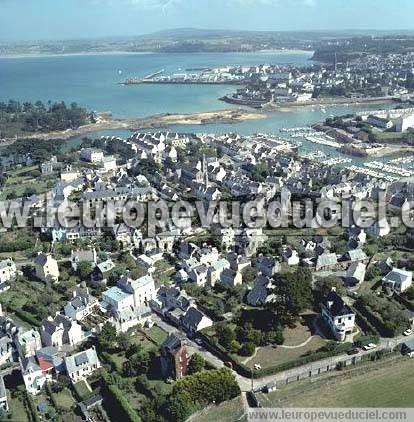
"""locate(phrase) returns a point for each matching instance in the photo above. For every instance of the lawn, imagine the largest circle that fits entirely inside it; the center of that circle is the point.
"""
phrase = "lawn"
(82, 390)
(64, 399)
(269, 356)
(229, 411)
(157, 334)
(43, 399)
(385, 385)
(296, 335)
(18, 411)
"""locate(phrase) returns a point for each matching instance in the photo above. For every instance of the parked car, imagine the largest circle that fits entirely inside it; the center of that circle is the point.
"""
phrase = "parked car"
(257, 366)
(408, 332)
(354, 351)
(369, 346)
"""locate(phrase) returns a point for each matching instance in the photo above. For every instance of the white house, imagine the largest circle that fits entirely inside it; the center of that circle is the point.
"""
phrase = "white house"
(82, 364)
(3, 396)
(142, 289)
(338, 315)
(398, 280)
(81, 305)
(116, 298)
(7, 270)
(28, 343)
(46, 268)
(33, 376)
(404, 123)
(291, 256)
(194, 320)
(91, 155)
(60, 330)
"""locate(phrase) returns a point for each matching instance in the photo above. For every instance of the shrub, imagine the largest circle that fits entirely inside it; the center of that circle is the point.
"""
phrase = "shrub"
(247, 349)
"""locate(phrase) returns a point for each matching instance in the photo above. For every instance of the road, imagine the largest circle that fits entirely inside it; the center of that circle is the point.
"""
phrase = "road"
(245, 383)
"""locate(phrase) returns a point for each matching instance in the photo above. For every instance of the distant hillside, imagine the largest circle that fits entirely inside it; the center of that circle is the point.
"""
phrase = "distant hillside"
(192, 40)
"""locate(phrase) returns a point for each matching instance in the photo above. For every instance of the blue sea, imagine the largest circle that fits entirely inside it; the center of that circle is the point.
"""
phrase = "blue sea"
(93, 82)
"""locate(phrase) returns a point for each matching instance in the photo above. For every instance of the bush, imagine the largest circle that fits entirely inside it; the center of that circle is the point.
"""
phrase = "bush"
(196, 364)
(386, 316)
(247, 349)
(199, 390)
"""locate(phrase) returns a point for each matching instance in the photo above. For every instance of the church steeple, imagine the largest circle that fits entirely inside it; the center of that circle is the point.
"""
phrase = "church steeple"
(204, 169)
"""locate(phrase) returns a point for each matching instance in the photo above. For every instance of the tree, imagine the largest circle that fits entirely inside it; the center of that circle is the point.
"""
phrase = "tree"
(84, 270)
(107, 337)
(325, 285)
(293, 295)
(373, 272)
(225, 336)
(410, 293)
(196, 364)
(199, 390)
(137, 364)
(247, 349)
(124, 341)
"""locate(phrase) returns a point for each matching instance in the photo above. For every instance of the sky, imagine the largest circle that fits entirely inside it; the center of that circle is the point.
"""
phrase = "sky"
(74, 19)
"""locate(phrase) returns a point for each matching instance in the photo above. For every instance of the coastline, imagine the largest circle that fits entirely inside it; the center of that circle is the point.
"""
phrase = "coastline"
(229, 116)
(84, 53)
(132, 53)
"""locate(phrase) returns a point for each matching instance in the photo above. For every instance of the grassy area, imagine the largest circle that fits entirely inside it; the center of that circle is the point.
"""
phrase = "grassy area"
(17, 408)
(43, 399)
(82, 390)
(389, 384)
(270, 356)
(296, 335)
(32, 296)
(228, 411)
(64, 399)
(158, 334)
(22, 186)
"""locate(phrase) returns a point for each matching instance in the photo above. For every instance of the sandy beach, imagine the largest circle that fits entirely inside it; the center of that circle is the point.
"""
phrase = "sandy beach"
(162, 120)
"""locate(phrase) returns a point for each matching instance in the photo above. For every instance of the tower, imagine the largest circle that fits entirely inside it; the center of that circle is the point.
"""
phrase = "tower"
(204, 169)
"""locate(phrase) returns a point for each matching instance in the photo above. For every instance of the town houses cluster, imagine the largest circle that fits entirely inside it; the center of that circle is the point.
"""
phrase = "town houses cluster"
(173, 166)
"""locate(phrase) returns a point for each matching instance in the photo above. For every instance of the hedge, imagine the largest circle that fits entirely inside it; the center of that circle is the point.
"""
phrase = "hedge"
(25, 316)
(373, 320)
(365, 324)
(52, 397)
(32, 407)
(122, 404)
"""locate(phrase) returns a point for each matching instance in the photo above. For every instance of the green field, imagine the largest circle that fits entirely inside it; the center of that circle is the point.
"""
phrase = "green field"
(384, 384)
(82, 390)
(64, 400)
(17, 408)
(269, 356)
(229, 411)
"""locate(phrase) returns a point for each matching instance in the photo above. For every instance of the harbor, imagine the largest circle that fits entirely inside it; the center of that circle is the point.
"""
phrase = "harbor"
(202, 77)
